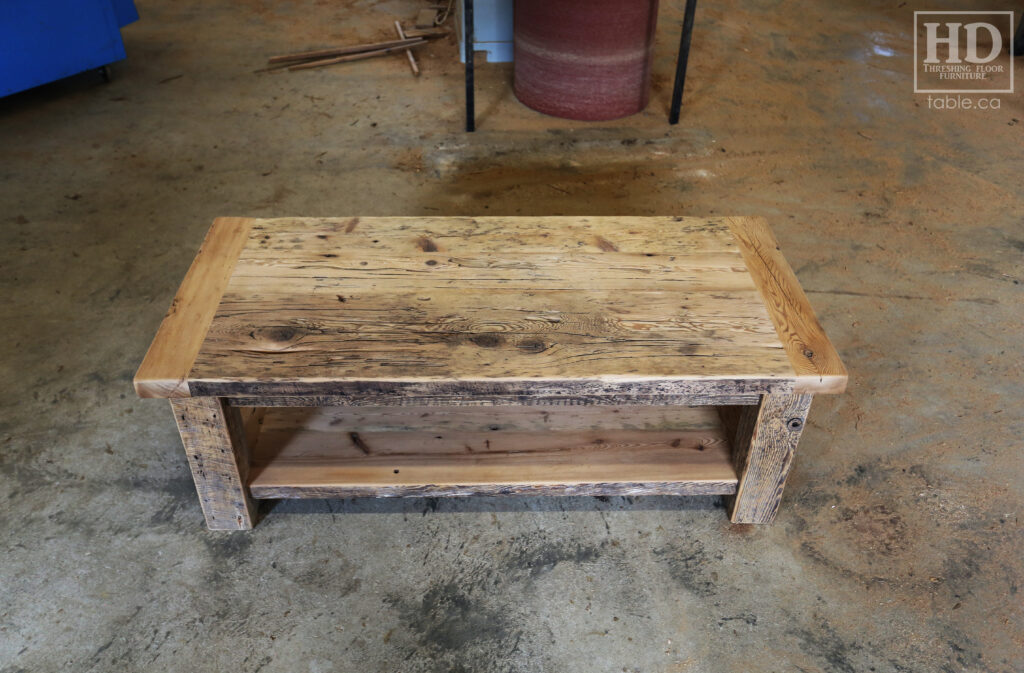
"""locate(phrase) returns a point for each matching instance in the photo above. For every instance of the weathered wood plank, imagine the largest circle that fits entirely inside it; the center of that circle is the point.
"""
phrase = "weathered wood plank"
(432, 273)
(348, 334)
(314, 489)
(330, 453)
(815, 360)
(483, 235)
(214, 438)
(441, 420)
(164, 370)
(499, 391)
(398, 398)
(281, 442)
(765, 442)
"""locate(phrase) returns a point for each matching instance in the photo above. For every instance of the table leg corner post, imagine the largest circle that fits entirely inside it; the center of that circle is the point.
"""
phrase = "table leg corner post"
(213, 436)
(765, 438)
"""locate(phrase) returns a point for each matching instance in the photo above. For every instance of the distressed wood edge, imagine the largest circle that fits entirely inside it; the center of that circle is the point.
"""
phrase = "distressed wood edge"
(165, 368)
(781, 292)
(709, 487)
(398, 400)
(516, 390)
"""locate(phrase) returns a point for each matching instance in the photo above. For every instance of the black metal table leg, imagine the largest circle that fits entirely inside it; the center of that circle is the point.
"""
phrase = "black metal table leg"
(1018, 39)
(684, 54)
(470, 107)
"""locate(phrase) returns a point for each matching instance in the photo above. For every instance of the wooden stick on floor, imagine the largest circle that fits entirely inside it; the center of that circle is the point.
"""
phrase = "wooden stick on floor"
(408, 52)
(352, 57)
(340, 51)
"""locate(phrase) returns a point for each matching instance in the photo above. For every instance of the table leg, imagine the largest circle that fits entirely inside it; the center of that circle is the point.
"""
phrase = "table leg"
(1018, 39)
(684, 55)
(214, 439)
(765, 440)
(469, 36)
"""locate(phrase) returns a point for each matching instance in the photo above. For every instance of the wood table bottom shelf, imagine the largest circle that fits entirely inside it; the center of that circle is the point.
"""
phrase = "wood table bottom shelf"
(336, 452)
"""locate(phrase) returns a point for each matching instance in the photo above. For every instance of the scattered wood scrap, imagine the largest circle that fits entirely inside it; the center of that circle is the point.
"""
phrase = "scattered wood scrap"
(425, 18)
(353, 57)
(339, 51)
(426, 32)
(408, 51)
(321, 57)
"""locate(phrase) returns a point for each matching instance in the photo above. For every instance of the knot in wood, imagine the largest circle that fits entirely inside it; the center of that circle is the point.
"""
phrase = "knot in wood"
(532, 346)
(487, 340)
(276, 338)
(282, 334)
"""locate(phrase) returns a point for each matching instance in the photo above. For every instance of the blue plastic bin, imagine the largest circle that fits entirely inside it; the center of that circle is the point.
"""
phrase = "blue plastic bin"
(46, 40)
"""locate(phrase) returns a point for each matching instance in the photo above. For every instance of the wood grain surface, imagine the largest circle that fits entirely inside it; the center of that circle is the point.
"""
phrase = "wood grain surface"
(215, 440)
(765, 441)
(814, 359)
(164, 370)
(324, 452)
(452, 309)
(484, 419)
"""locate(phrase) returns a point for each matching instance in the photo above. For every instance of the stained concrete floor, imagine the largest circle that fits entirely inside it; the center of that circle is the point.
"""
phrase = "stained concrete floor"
(898, 546)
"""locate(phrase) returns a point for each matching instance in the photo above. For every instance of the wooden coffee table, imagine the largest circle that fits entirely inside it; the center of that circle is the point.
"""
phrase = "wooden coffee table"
(442, 356)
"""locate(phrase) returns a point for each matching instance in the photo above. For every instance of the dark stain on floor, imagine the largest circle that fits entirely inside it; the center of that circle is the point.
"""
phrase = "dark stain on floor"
(823, 642)
(450, 617)
(539, 557)
(689, 565)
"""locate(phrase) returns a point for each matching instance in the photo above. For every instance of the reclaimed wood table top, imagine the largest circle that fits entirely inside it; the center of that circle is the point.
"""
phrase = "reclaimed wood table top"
(517, 306)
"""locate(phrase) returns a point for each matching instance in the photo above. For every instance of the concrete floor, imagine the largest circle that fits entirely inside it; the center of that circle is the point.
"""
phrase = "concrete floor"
(898, 547)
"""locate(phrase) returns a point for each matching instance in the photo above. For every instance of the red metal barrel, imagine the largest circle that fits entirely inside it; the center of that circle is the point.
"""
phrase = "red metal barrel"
(584, 59)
